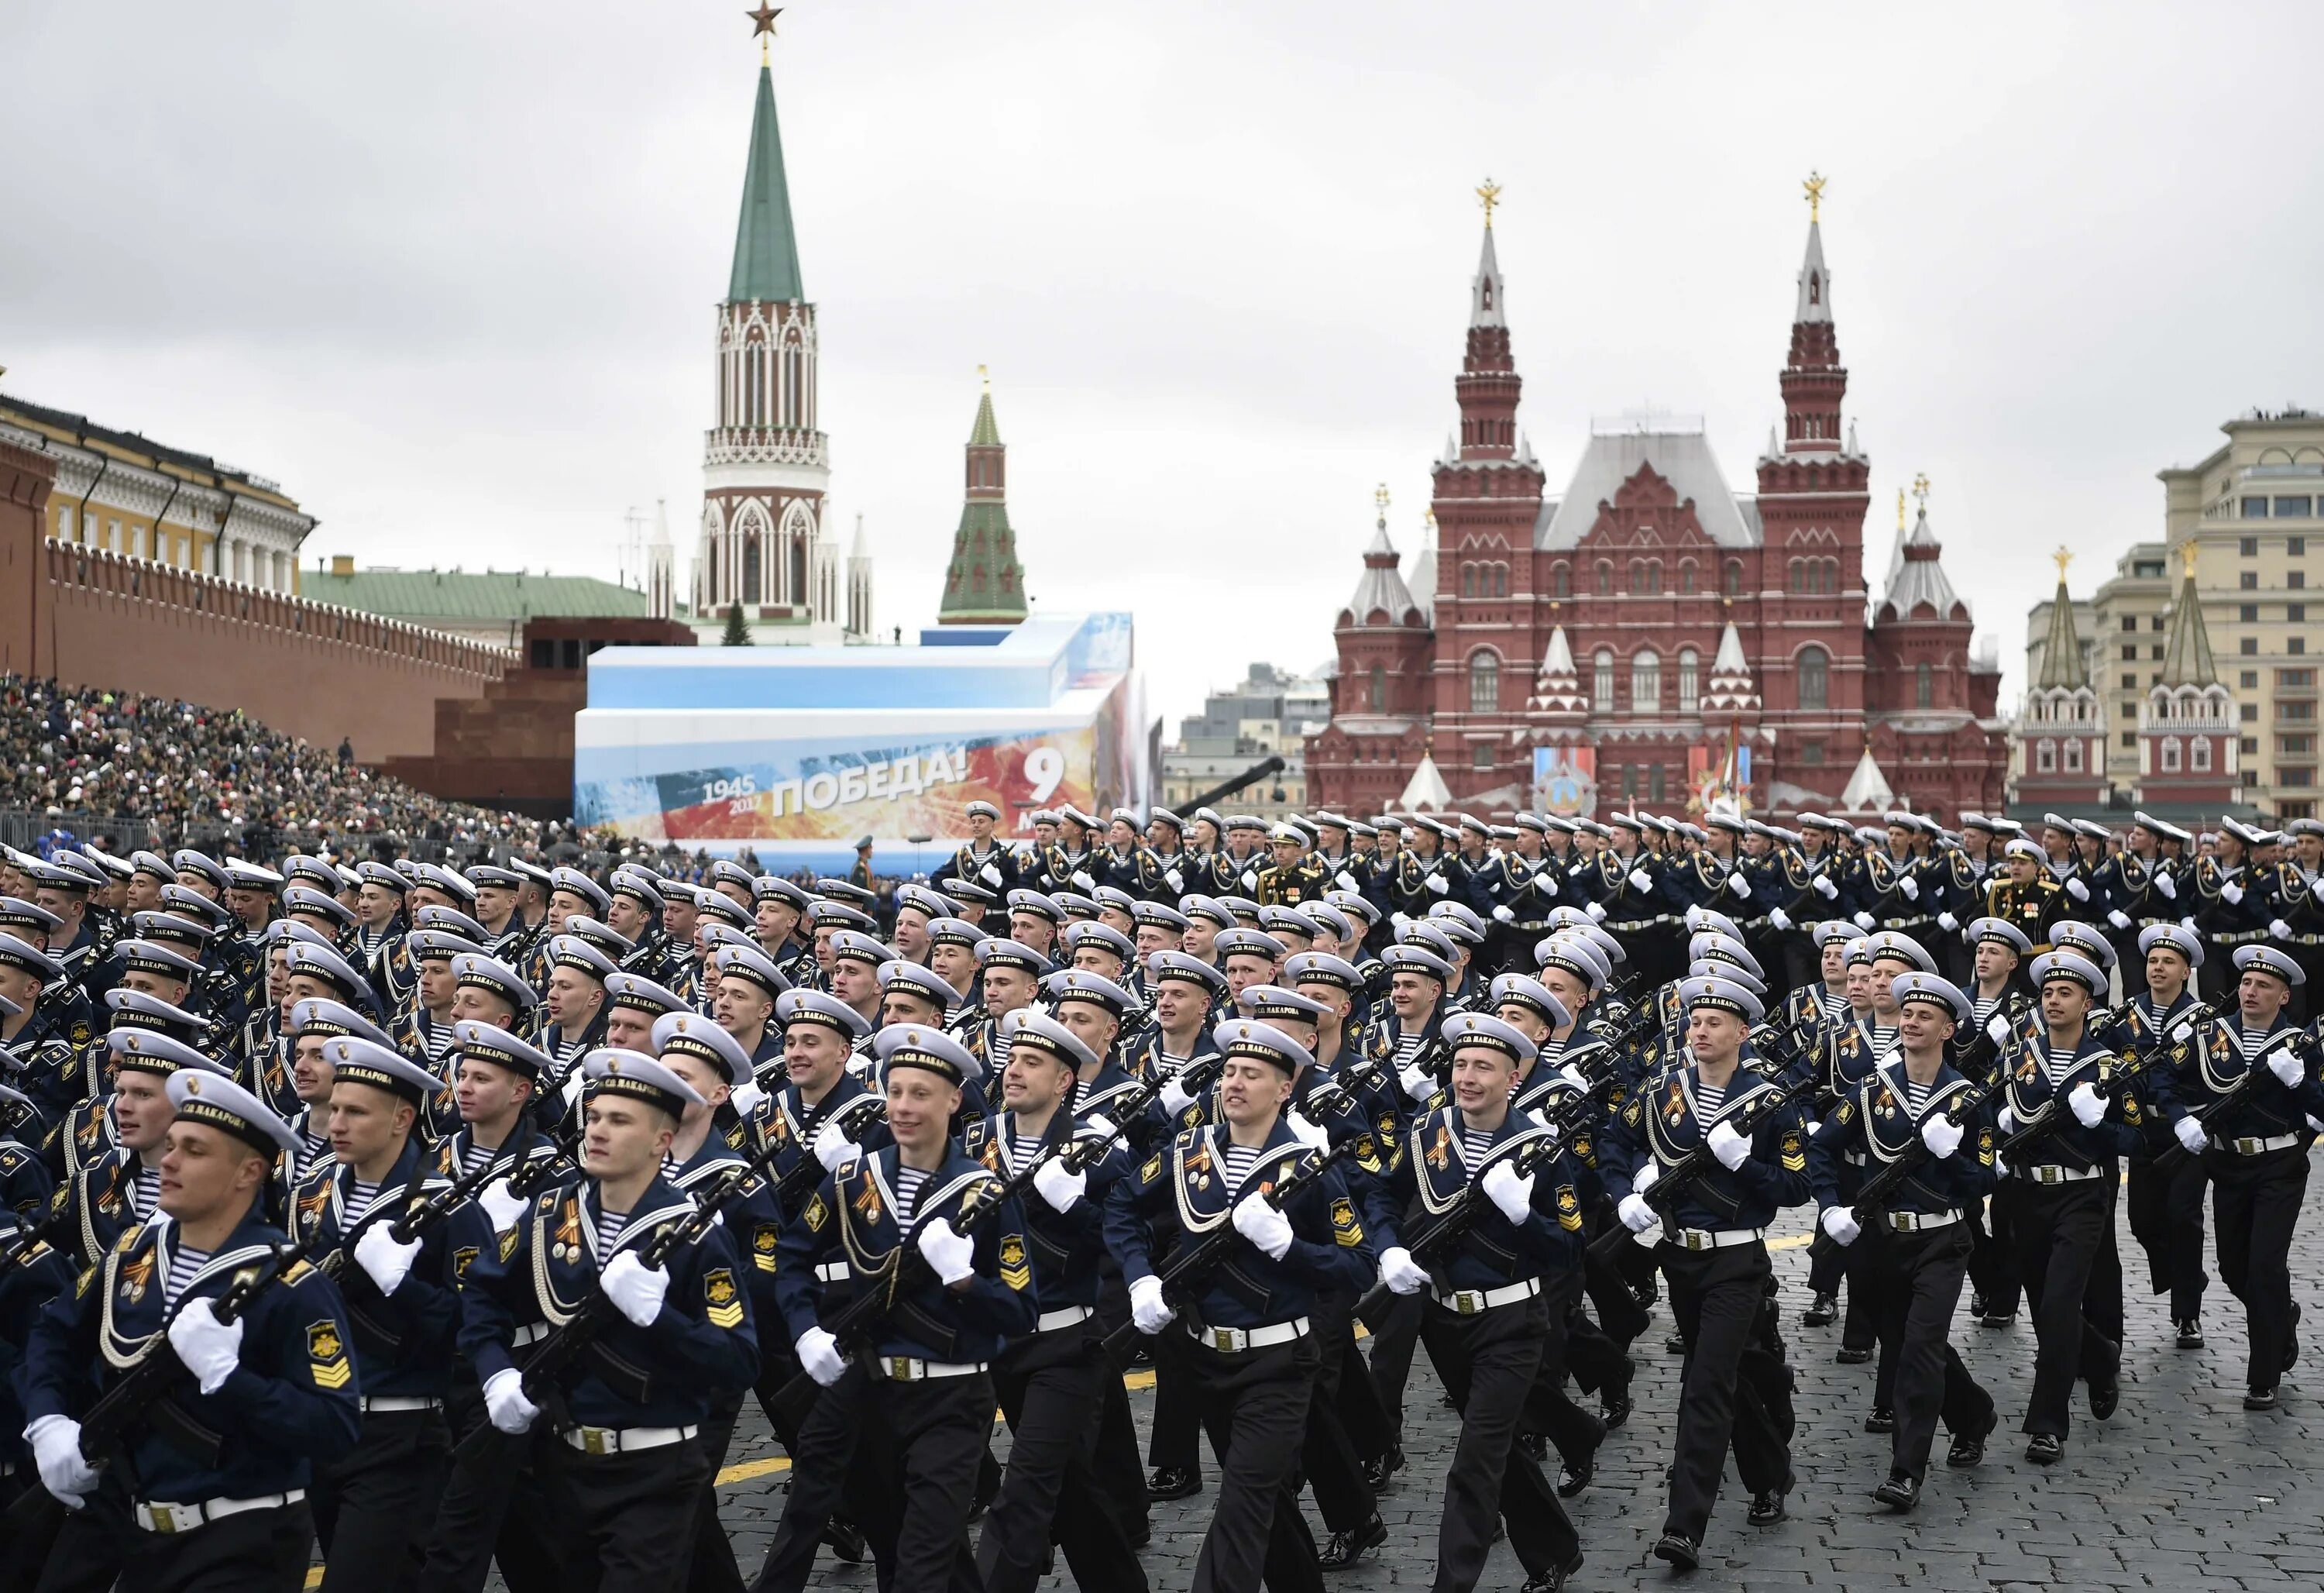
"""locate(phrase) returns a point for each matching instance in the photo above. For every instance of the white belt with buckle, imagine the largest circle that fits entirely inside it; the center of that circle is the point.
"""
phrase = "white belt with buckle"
(532, 1334)
(1918, 1222)
(158, 1517)
(1701, 1239)
(904, 1369)
(1470, 1303)
(387, 1404)
(622, 1441)
(2050, 1172)
(833, 1272)
(1235, 1340)
(1072, 1316)
(2260, 1147)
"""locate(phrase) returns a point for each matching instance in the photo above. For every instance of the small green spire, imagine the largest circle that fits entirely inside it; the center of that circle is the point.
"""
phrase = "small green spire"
(765, 249)
(986, 433)
(984, 584)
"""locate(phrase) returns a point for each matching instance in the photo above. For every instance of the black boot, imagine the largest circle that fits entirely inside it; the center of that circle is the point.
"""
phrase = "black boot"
(1900, 1492)
(1682, 1552)
(1343, 1550)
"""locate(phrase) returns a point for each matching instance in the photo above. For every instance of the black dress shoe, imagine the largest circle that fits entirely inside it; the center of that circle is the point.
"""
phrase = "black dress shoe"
(1822, 1311)
(1343, 1550)
(1969, 1447)
(1554, 1581)
(844, 1539)
(2046, 1448)
(1379, 1471)
(1174, 1482)
(1533, 1445)
(2260, 1399)
(2190, 1333)
(1998, 1318)
(1614, 1409)
(1976, 1302)
(1850, 1356)
(1768, 1508)
(1899, 1491)
(1881, 1420)
(1572, 1479)
(2291, 1339)
(1680, 1551)
(1674, 1344)
(2106, 1396)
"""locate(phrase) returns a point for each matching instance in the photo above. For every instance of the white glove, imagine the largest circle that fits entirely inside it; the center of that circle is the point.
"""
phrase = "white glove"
(505, 1405)
(1998, 1026)
(1691, 918)
(1909, 887)
(1941, 1135)
(2279, 928)
(1840, 1223)
(1173, 1098)
(1597, 912)
(2000, 1167)
(1570, 1077)
(1400, 1273)
(1060, 1186)
(1098, 1123)
(1418, 1082)
(990, 874)
(2089, 1107)
(1739, 886)
(1730, 1147)
(1439, 883)
(2182, 1032)
(1650, 1174)
(747, 1098)
(1635, 1214)
(1148, 1310)
(1812, 1127)
(1864, 920)
(950, 1252)
(1260, 1222)
(1779, 920)
(1174, 879)
(501, 1206)
(1503, 915)
(1400, 921)
(1507, 1190)
(818, 1354)
(2167, 885)
(833, 1148)
(210, 1348)
(2118, 917)
(635, 1290)
(1826, 889)
(2287, 1067)
(2007, 1122)
(56, 1446)
(1641, 880)
(1250, 879)
(1082, 881)
(2191, 1135)
(1347, 881)
(1948, 922)
(387, 1262)
(2231, 892)
(1304, 1132)
(2077, 889)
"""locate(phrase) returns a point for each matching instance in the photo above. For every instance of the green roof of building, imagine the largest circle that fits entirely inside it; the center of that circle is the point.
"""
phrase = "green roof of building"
(766, 250)
(986, 433)
(422, 595)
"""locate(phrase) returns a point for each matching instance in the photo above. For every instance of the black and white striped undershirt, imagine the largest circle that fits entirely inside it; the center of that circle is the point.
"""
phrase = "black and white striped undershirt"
(476, 1155)
(437, 1043)
(360, 1199)
(1240, 1160)
(2250, 1042)
(1476, 1144)
(1981, 1008)
(997, 1051)
(610, 1224)
(2057, 1062)
(1834, 1004)
(1884, 1041)
(1021, 1154)
(1916, 1095)
(1710, 1098)
(909, 1182)
(1407, 1047)
(144, 1190)
(184, 1262)
(1552, 1054)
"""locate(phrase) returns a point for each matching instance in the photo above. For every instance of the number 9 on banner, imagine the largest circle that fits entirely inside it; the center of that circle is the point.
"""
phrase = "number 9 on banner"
(1044, 770)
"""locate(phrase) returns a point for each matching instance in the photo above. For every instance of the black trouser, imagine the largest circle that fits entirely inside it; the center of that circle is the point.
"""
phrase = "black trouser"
(1489, 1362)
(1719, 1300)
(1254, 1407)
(1118, 1480)
(631, 1522)
(493, 1510)
(1916, 1280)
(2059, 1231)
(73, 1551)
(1176, 1444)
(712, 1568)
(374, 1507)
(1328, 1455)
(1396, 1334)
(1993, 1254)
(2256, 1201)
(252, 1552)
(1051, 1388)
(2166, 1219)
(921, 1443)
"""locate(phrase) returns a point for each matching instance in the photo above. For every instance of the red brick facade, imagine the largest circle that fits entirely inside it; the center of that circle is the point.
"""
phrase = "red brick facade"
(1643, 563)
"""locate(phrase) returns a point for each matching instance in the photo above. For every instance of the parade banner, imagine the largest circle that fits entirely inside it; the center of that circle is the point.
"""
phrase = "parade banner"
(1566, 781)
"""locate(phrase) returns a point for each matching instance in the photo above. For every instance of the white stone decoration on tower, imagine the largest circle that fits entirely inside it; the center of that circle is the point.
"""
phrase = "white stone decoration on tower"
(859, 583)
(659, 558)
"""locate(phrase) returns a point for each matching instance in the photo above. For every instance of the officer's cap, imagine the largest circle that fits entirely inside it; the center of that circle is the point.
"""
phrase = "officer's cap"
(1522, 990)
(2072, 967)
(750, 965)
(201, 1096)
(1936, 992)
(494, 978)
(2267, 959)
(1186, 969)
(356, 1061)
(1724, 994)
(1074, 984)
(922, 1045)
(1321, 967)
(1028, 1027)
(1253, 1040)
(1475, 1031)
(1249, 942)
(2001, 931)
(690, 1034)
(995, 952)
(639, 1077)
(484, 1042)
(2176, 937)
(815, 1006)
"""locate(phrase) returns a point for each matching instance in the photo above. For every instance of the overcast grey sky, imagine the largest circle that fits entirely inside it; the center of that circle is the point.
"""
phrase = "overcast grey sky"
(448, 269)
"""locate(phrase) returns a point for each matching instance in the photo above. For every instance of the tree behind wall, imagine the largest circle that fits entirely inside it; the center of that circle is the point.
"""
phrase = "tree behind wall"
(738, 632)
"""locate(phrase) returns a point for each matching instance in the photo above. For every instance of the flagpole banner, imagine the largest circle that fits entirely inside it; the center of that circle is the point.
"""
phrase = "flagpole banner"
(1566, 781)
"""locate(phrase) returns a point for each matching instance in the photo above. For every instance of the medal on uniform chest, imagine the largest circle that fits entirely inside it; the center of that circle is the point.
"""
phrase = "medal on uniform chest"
(568, 1246)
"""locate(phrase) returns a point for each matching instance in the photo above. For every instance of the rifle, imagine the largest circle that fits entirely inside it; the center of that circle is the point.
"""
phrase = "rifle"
(1078, 1153)
(1873, 1191)
(1694, 1166)
(2170, 1160)
(852, 1117)
(2053, 1117)
(1211, 1249)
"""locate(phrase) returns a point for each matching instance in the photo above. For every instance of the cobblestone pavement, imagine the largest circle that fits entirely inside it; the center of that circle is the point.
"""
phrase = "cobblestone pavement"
(2182, 1489)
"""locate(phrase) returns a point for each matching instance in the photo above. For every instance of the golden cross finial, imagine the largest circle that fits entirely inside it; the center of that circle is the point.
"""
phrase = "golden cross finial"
(987, 375)
(1491, 194)
(2063, 557)
(1900, 508)
(2187, 557)
(1921, 490)
(1815, 185)
(765, 19)
(1379, 500)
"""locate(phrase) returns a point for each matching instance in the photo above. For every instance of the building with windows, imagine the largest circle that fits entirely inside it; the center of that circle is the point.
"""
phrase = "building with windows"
(1649, 636)
(128, 494)
(1270, 713)
(2234, 553)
